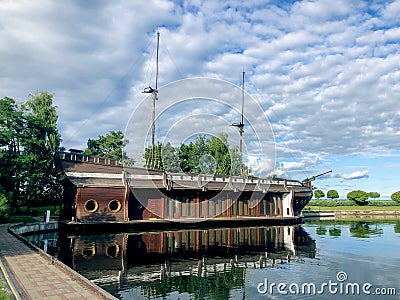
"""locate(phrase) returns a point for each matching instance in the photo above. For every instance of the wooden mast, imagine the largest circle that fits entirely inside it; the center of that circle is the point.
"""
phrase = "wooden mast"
(241, 129)
(153, 121)
(154, 96)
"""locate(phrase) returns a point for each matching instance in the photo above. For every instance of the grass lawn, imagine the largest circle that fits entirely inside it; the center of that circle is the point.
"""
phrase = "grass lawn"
(22, 217)
(3, 294)
(352, 208)
(41, 209)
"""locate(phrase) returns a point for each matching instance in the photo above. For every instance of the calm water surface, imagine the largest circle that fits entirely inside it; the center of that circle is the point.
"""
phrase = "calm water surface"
(324, 260)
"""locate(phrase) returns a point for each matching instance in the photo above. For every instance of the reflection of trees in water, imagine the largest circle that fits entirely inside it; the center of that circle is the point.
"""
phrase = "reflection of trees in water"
(215, 286)
(321, 230)
(397, 227)
(335, 231)
(365, 230)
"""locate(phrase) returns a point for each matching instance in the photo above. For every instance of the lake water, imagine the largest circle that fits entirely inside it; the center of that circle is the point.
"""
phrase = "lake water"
(323, 260)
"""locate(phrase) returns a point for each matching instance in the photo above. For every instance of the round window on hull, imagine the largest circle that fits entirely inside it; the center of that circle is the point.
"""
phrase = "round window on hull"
(114, 206)
(112, 250)
(91, 205)
(89, 250)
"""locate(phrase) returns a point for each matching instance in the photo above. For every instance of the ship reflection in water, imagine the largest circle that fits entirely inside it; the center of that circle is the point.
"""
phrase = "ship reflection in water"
(208, 263)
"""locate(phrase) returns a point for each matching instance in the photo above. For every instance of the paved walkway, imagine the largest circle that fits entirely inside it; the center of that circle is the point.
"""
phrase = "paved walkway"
(33, 276)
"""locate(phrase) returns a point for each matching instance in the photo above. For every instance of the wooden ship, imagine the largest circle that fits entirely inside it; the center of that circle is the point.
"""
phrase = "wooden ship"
(98, 189)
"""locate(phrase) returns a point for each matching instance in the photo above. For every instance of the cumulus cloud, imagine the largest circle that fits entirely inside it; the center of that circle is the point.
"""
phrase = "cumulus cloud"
(355, 175)
(326, 73)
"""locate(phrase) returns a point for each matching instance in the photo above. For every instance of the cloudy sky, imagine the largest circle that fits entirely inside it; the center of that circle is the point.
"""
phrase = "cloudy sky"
(325, 75)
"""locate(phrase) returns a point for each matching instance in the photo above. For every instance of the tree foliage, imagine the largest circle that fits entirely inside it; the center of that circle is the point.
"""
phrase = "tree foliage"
(203, 155)
(332, 194)
(319, 194)
(4, 206)
(396, 196)
(28, 141)
(110, 145)
(358, 196)
(374, 195)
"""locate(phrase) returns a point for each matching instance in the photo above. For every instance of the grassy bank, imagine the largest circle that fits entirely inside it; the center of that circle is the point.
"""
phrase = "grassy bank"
(36, 212)
(346, 207)
(3, 294)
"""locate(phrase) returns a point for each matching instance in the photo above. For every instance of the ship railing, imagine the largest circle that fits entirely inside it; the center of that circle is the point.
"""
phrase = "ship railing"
(233, 182)
(79, 157)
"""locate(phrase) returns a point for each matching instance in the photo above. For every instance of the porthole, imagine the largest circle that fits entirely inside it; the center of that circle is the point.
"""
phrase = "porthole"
(112, 250)
(114, 206)
(91, 205)
(89, 250)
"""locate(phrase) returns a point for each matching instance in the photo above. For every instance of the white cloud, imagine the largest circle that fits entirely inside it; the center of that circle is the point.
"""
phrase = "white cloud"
(327, 73)
(355, 175)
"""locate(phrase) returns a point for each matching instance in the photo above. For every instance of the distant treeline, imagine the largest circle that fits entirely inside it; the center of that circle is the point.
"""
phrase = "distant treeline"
(207, 155)
(334, 203)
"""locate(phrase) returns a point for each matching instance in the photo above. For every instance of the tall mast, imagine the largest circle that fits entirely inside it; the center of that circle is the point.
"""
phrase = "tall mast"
(241, 130)
(154, 97)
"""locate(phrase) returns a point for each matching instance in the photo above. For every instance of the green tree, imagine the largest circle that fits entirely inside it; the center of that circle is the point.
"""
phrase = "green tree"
(319, 194)
(41, 142)
(217, 148)
(358, 196)
(396, 196)
(110, 145)
(332, 194)
(374, 195)
(184, 158)
(12, 124)
(203, 155)
(158, 164)
(28, 142)
(169, 158)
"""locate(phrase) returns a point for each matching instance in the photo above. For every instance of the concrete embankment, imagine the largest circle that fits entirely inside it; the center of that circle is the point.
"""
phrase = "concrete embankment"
(33, 274)
(367, 214)
(318, 215)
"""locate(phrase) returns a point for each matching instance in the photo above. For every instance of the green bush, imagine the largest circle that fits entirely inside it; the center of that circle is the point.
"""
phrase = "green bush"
(331, 203)
(396, 196)
(383, 203)
(359, 196)
(319, 194)
(4, 207)
(3, 294)
(332, 194)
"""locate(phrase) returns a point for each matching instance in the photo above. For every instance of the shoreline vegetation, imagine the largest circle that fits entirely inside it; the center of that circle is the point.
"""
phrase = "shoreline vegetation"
(348, 205)
(352, 208)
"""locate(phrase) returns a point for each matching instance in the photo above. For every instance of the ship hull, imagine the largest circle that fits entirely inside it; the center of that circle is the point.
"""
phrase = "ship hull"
(98, 190)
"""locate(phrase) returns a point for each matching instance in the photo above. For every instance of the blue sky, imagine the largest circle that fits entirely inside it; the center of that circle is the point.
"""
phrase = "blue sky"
(325, 73)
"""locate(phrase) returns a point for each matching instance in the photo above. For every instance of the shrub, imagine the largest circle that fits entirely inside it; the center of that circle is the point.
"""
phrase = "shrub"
(319, 194)
(4, 207)
(360, 197)
(333, 194)
(383, 203)
(331, 203)
(374, 195)
(396, 196)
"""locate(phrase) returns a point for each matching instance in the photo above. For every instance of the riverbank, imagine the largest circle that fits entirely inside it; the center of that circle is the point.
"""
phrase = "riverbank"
(352, 208)
(354, 214)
